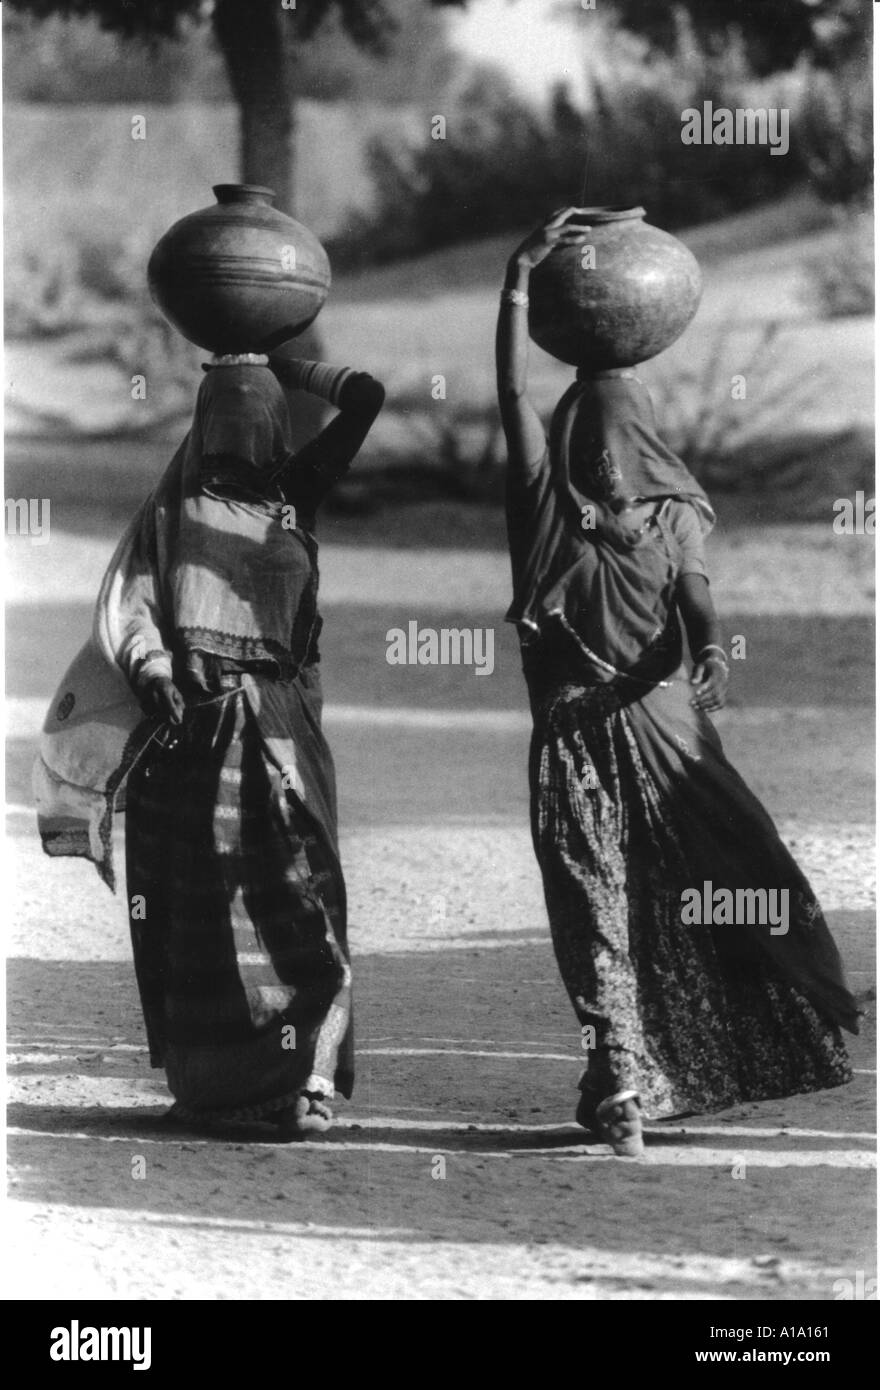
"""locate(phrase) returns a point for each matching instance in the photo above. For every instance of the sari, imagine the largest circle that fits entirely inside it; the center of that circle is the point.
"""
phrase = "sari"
(236, 895)
(634, 805)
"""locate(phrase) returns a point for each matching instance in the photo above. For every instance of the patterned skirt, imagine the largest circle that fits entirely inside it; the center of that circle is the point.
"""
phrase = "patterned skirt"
(632, 804)
(237, 908)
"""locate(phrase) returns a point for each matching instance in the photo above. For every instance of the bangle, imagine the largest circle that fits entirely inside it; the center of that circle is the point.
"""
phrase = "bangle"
(154, 666)
(517, 297)
(318, 378)
(713, 647)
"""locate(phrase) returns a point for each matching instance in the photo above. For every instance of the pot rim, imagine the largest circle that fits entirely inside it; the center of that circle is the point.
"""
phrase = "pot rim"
(242, 192)
(609, 213)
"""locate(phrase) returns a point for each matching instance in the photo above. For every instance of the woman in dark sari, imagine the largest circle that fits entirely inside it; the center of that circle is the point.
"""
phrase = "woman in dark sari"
(635, 810)
(236, 894)
(242, 959)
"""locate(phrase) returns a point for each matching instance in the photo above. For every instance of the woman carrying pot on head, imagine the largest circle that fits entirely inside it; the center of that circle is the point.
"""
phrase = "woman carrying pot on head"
(634, 807)
(208, 616)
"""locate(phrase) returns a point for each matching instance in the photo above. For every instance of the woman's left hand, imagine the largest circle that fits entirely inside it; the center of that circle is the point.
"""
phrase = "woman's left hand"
(710, 677)
(161, 697)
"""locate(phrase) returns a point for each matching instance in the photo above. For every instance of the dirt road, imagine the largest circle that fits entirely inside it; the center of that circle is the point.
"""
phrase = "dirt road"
(456, 1172)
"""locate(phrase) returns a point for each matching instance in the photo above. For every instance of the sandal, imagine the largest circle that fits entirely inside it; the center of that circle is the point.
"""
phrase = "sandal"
(309, 1114)
(619, 1121)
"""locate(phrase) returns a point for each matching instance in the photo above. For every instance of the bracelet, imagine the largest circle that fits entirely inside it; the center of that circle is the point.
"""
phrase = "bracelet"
(320, 378)
(713, 647)
(517, 297)
(153, 666)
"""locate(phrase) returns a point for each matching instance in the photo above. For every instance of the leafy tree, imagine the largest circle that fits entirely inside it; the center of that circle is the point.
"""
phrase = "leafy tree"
(259, 40)
(777, 32)
(831, 38)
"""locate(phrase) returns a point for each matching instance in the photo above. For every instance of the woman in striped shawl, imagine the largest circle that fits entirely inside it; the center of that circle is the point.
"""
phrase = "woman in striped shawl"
(236, 894)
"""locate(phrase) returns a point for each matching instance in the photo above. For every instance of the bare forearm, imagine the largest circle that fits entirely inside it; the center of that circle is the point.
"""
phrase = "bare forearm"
(333, 451)
(523, 430)
(710, 673)
(698, 614)
(512, 337)
(324, 460)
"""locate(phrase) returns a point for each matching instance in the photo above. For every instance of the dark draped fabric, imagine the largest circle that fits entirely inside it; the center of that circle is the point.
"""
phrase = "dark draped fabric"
(603, 446)
(633, 801)
(241, 956)
(231, 841)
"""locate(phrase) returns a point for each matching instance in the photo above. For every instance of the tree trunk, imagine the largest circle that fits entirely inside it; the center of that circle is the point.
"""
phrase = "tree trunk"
(251, 37)
(252, 40)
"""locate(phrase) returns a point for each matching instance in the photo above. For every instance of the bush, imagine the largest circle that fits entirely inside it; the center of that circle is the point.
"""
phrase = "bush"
(841, 278)
(43, 294)
(729, 449)
(834, 135)
(67, 281)
(503, 165)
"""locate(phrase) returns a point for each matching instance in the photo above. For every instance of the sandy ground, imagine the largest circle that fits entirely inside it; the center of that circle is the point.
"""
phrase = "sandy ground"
(456, 1171)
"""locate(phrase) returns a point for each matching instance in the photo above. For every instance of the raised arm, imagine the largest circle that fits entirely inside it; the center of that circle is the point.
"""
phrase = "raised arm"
(526, 441)
(710, 673)
(326, 458)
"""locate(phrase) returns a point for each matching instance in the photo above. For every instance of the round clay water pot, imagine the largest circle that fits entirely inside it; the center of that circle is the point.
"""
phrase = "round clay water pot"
(239, 276)
(620, 304)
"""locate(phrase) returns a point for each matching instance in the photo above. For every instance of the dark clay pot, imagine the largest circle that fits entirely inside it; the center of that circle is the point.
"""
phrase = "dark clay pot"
(640, 297)
(239, 276)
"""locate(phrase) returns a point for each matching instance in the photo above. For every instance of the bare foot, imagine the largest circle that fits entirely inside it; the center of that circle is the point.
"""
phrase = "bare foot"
(619, 1119)
(310, 1114)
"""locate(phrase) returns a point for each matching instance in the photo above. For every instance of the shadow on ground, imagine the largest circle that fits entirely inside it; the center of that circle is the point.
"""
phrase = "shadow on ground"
(433, 1083)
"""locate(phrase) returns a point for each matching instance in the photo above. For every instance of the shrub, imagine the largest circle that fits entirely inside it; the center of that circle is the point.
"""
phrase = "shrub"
(43, 294)
(728, 449)
(841, 278)
(834, 135)
(64, 282)
(502, 164)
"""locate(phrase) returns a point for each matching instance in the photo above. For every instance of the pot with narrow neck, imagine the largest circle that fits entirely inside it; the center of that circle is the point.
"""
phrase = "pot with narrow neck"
(616, 299)
(239, 276)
